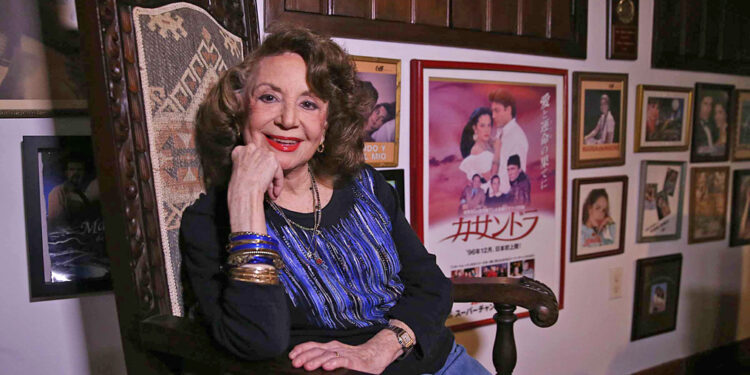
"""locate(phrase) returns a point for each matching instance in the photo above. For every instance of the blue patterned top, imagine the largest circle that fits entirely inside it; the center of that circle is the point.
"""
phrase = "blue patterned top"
(358, 282)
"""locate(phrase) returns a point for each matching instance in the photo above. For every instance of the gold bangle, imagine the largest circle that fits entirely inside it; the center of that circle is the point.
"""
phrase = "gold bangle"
(235, 234)
(253, 252)
(245, 242)
(254, 269)
(242, 259)
(265, 280)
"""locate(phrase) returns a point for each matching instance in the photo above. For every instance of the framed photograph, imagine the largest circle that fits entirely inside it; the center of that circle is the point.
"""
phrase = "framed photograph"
(660, 202)
(599, 206)
(708, 204)
(599, 109)
(41, 68)
(64, 227)
(739, 230)
(742, 124)
(663, 118)
(657, 292)
(488, 164)
(382, 79)
(711, 120)
(395, 177)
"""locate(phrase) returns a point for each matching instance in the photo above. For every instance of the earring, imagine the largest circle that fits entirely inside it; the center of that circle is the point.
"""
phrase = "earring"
(474, 136)
(321, 148)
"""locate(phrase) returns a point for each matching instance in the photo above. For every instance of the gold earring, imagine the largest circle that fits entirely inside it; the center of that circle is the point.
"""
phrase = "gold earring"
(321, 148)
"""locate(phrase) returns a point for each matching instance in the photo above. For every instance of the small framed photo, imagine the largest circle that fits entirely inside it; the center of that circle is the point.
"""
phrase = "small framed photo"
(599, 206)
(708, 204)
(395, 177)
(742, 126)
(660, 202)
(739, 230)
(382, 79)
(599, 118)
(663, 118)
(711, 123)
(64, 227)
(657, 291)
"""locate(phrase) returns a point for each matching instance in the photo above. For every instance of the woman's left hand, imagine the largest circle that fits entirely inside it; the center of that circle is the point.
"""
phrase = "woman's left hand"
(371, 357)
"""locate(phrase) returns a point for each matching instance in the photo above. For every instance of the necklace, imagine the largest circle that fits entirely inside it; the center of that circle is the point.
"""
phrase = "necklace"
(311, 252)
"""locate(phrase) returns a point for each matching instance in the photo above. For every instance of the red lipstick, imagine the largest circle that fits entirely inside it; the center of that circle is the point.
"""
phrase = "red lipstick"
(283, 144)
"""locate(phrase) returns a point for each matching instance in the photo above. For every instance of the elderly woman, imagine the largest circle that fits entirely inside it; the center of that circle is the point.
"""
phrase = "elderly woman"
(298, 245)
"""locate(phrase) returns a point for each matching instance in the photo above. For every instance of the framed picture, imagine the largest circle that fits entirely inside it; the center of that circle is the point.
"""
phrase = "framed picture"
(660, 203)
(708, 204)
(64, 227)
(599, 109)
(739, 230)
(622, 29)
(598, 227)
(742, 124)
(395, 177)
(657, 291)
(663, 117)
(711, 130)
(41, 68)
(482, 210)
(382, 79)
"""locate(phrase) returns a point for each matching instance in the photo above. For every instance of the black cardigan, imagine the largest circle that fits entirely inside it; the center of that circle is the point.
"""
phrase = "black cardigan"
(259, 321)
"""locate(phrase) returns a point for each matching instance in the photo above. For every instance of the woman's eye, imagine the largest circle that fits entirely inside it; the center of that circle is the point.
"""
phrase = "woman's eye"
(267, 98)
(309, 104)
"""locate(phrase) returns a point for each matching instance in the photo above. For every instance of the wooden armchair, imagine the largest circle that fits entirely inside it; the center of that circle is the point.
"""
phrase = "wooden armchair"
(151, 63)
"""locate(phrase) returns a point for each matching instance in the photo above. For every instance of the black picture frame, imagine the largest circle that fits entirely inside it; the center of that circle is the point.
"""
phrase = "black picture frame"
(577, 253)
(76, 232)
(700, 150)
(654, 313)
(740, 209)
(395, 177)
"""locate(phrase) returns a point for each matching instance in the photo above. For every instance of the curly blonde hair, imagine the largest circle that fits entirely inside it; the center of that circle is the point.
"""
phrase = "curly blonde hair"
(331, 76)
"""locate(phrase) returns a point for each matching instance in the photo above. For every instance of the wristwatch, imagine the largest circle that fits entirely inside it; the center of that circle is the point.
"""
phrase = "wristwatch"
(407, 343)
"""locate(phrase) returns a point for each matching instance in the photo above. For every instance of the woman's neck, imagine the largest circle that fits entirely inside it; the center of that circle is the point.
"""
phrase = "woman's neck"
(296, 194)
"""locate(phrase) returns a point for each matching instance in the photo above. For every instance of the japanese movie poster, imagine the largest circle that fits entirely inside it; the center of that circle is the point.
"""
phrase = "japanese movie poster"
(493, 177)
(382, 79)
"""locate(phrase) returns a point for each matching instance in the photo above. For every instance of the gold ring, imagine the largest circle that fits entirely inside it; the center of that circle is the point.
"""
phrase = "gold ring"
(336, 353)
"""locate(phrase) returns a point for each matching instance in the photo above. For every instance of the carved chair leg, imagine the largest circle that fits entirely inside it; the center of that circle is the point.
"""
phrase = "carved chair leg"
(504, 351)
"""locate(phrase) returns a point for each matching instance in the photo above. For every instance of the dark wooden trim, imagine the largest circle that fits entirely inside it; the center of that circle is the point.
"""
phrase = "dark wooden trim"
(378, 29)
(732, 358)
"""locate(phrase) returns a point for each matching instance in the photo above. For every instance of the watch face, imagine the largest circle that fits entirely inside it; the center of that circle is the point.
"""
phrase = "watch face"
(625, 11)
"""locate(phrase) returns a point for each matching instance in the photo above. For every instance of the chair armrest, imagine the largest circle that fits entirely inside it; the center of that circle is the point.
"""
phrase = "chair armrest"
(189, 340)
(529, 293)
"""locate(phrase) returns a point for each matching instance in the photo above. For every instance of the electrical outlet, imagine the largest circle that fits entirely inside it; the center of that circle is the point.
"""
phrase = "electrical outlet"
(615, 283)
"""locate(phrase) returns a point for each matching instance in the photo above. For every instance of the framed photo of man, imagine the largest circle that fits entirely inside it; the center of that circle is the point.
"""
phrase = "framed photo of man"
(742, 125)
(657, 292)
(488, 175)
(708, 204)
(382, 80)
(599, 207)
(64, 226)
(660, 201)
(41, 67)
(663, 118)
(599, 119)
(739, 228)
(711, 123)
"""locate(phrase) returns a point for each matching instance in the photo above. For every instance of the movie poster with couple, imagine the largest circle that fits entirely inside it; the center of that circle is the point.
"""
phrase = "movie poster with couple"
(493, 176)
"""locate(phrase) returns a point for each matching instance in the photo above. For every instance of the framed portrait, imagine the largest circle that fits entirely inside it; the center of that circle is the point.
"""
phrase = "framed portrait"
(711, 123)
(599, 119)
(64, 227)
(663, 118)
(660, 202)
(382, 79)
(598, 227)
(657, 292)
(395, 177)
(488, 163)
(41, 68)
(739, 230)
(708, 204)
(742, 125)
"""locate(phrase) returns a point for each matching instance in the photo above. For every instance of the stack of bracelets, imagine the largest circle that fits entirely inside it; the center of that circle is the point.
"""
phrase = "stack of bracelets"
(254, 257)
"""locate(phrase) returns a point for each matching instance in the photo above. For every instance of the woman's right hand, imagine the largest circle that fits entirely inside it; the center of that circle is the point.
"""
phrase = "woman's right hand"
(255, 172)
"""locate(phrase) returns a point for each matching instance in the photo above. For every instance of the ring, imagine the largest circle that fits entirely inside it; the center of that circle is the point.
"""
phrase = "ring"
(336, 353)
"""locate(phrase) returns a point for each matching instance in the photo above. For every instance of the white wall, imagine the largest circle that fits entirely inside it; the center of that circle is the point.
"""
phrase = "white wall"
(69, 336)
(592, 335)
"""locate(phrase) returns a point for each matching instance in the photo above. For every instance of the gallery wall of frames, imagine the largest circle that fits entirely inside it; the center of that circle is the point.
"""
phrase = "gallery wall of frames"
(624, 188)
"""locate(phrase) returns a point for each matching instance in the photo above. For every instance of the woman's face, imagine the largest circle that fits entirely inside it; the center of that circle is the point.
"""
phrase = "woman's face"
(285, 117)
(483, 128)
(720, 114)
(375, 120)
(598, 211)
(604, 105)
